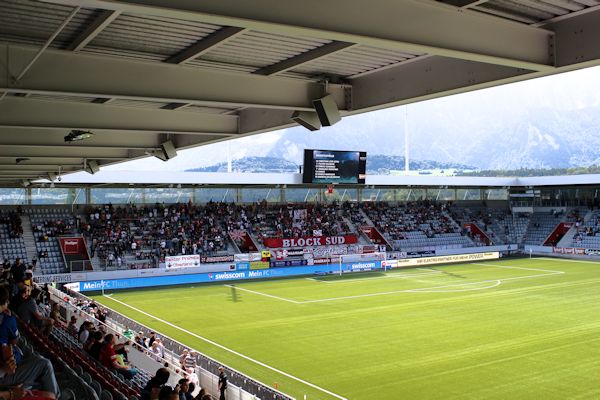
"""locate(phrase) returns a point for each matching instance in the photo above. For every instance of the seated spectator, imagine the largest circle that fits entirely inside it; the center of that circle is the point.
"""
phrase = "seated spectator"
(72, 327)
(168, 393)
(55, 315)
(153, 386)
(140, 340)
(156, 351)
(32, 371)
(18, 270)
(109, 359)
(30, 313)
(84, 331)
(95, 345)
(184, 390)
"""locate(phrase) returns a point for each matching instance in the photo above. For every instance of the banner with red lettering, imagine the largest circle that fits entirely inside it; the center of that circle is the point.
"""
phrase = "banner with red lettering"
(310, 241)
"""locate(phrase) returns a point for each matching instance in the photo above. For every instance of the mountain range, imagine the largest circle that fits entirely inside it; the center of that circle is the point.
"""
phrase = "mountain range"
(552, 122)
(377, 164)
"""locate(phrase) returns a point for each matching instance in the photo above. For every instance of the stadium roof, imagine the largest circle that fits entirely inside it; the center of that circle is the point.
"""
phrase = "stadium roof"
(140, 72)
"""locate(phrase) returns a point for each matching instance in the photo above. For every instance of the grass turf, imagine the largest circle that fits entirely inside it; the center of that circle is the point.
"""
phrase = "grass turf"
(511, 329)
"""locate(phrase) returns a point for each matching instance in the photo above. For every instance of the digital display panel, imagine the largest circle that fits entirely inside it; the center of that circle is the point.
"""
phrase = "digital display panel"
(333, 166)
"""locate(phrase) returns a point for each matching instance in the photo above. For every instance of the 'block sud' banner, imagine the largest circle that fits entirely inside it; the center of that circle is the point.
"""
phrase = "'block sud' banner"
(310, 241)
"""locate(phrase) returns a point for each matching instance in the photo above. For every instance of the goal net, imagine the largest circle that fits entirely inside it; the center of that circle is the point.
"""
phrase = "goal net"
(361, 262)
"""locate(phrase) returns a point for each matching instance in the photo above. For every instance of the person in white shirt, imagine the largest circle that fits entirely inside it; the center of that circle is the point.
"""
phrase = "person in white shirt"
(192, 377)
(156, 351)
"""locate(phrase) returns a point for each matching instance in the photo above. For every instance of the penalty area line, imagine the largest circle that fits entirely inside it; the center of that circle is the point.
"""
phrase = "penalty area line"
(263, 294)
(245, 357)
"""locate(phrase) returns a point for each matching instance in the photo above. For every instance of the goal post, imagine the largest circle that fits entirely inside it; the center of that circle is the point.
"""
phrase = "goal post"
(361, 262)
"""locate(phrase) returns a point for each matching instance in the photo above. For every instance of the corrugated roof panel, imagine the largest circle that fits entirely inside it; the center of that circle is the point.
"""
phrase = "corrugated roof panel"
(137, 103)
(533, 11)
(75, 99)
(205, 110)
(137, 55)
(154, 36)
(353, 60)
(259, 49)
(221, 66)
(566, 4)
(33, 22)
(525, 11)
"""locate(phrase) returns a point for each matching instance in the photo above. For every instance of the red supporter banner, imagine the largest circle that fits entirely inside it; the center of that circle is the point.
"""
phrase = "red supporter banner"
(72, 245)
(310, 241)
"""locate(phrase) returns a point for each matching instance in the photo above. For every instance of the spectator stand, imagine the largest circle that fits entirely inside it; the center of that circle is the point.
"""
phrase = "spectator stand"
(241, 386)
(93, 373)
(417, 226)
(588, 233)
(542, 224)
(12, 245)
(141, 237)
(47, 224)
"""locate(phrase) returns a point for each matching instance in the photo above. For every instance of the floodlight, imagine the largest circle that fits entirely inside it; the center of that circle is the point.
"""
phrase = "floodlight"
(77, 134)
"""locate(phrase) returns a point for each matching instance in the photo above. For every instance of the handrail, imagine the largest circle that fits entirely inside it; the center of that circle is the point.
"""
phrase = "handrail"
(236, 378)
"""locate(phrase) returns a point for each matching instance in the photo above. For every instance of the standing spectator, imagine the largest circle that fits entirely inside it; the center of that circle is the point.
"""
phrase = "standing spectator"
(182, 358)
(194, 380)
(151, 339)
(190, 360)
(222, 383)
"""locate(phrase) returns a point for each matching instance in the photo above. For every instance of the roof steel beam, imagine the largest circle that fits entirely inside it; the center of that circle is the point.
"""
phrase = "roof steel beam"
(105, 18)
(577, 38)
(300, 59)
(31, 113)
(424, 79)
(411, 26)
(204, 45)
(80, 74)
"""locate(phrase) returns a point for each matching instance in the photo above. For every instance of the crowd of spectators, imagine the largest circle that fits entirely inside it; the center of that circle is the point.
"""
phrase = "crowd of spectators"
(52, 228)
(296, 220)
(111, 350)
(154, 232)
(13, 223)
(21, 372)
(396, 220)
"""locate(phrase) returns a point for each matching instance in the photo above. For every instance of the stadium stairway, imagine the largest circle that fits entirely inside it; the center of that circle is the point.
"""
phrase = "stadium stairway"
(366, 218)
(28, 238)
(567, 239)
(258, 243)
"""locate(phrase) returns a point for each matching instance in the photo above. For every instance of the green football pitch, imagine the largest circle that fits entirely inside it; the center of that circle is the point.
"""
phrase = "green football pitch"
(510, 329)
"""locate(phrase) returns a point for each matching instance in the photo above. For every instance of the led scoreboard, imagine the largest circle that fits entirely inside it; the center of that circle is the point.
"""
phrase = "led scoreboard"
(332, 166)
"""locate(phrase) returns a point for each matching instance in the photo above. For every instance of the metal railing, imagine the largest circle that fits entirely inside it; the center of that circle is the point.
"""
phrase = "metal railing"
(242, 386)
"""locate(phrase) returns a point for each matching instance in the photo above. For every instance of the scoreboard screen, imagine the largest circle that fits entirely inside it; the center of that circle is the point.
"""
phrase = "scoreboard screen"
(332, 166)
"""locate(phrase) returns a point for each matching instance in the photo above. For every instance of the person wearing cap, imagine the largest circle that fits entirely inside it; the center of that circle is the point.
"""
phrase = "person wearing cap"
(140, 340)
(222, 383)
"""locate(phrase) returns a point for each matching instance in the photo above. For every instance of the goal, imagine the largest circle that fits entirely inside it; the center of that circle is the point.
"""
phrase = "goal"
(361, 262)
